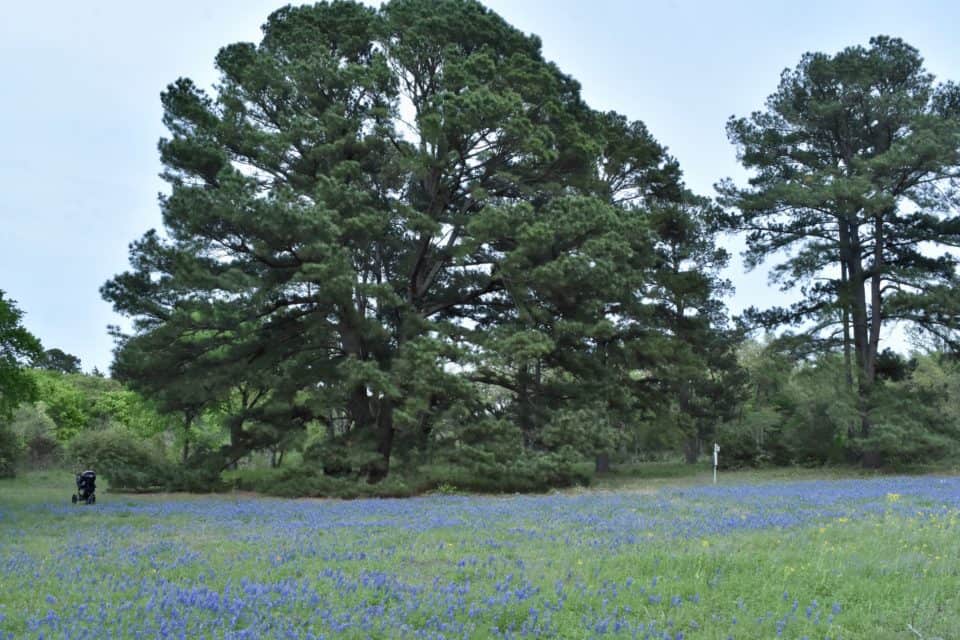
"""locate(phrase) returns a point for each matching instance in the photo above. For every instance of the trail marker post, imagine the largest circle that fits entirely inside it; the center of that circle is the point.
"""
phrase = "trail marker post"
(716, 454)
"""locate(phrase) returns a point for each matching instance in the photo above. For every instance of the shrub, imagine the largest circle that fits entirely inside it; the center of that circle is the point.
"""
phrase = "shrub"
(310, 482)
(123, 459)
(200, 474)
(477, 470)
(739, 442)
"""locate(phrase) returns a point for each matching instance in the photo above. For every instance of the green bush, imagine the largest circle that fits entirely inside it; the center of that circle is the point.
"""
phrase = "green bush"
(123, 459)
(129, 463)
(740, 443)
(477, 470)
(524, 475)
(310, 482)
(194, 480)
(200, 474)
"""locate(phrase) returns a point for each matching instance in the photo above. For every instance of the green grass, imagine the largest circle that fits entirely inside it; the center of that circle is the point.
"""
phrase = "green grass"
(643, 550)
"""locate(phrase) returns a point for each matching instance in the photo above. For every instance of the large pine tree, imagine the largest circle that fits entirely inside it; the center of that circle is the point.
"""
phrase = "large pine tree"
(856, 160)
(380, 214)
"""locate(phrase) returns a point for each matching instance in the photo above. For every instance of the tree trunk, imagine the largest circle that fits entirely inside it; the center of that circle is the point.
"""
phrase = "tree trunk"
(187, 426)
(871, 458)
(603, 463)
(691, 449)
(845, 311)
(845, 297)
(861, 339)
(380, 469)
(876, 278)
(236, 439)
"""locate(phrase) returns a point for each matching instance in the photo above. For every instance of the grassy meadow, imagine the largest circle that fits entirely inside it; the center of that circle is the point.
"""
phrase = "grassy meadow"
(757, 556)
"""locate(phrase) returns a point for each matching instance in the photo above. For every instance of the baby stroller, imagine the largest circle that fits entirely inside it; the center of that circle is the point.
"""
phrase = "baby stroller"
(86, 485)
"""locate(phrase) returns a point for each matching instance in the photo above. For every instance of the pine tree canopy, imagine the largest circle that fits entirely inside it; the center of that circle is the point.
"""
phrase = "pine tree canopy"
(382, 221)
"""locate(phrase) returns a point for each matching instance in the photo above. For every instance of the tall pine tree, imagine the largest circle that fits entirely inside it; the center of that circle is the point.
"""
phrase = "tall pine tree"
(856, 160)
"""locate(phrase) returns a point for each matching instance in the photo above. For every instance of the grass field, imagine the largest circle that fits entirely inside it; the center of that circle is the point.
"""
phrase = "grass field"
(758, 556)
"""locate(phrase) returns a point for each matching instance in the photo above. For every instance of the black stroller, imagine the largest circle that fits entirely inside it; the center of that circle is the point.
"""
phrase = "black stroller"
(86, 486)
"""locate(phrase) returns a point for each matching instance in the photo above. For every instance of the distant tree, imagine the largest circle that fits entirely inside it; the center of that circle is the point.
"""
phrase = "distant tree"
(18, 348)
(58, 360)
(67, 405)
(856, 160)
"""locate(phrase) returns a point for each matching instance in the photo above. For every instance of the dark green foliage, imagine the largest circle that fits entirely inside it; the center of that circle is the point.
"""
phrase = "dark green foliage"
(124, 460)
(400, 236)
(129, 463)
(894, 367)
(11, 451)
(917, 419)
(58, 360)
(804, 412)
(739, 446)
(296, 482)
(527, 474)
(695, 363)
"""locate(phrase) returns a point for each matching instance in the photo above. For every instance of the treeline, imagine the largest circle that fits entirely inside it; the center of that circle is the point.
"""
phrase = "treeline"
(792, 410)
(806, 411)
(401, 251)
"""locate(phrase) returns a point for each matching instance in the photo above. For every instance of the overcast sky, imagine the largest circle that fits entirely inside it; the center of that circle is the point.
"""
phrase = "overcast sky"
(80, 111)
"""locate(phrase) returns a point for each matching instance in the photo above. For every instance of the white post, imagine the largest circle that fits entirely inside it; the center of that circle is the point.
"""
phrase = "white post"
(716, 452)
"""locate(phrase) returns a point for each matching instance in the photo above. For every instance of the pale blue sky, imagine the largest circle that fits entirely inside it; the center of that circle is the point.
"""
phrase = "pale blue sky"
(80, 111)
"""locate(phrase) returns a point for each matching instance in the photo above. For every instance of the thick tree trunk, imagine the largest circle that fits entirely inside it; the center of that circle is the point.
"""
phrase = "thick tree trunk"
(380, 469)
(845, 298)
(861, 336)
(237, 449)
(859, 312)
(872, 458)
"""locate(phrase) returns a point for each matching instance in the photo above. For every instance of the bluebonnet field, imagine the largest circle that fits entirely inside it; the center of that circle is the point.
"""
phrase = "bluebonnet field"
(826, 559)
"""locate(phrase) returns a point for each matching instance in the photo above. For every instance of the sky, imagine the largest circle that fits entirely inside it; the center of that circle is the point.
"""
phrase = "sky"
(80, 112)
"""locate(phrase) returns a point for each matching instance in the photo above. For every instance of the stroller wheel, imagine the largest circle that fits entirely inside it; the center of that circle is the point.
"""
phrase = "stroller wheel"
(73, 498)
(91, 499)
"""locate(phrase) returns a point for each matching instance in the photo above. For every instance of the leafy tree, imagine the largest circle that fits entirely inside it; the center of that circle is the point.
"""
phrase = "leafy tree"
(856, 164)
(64, 403)
(58, 360)
(154, 365)
(37, 431)
(18, 348)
